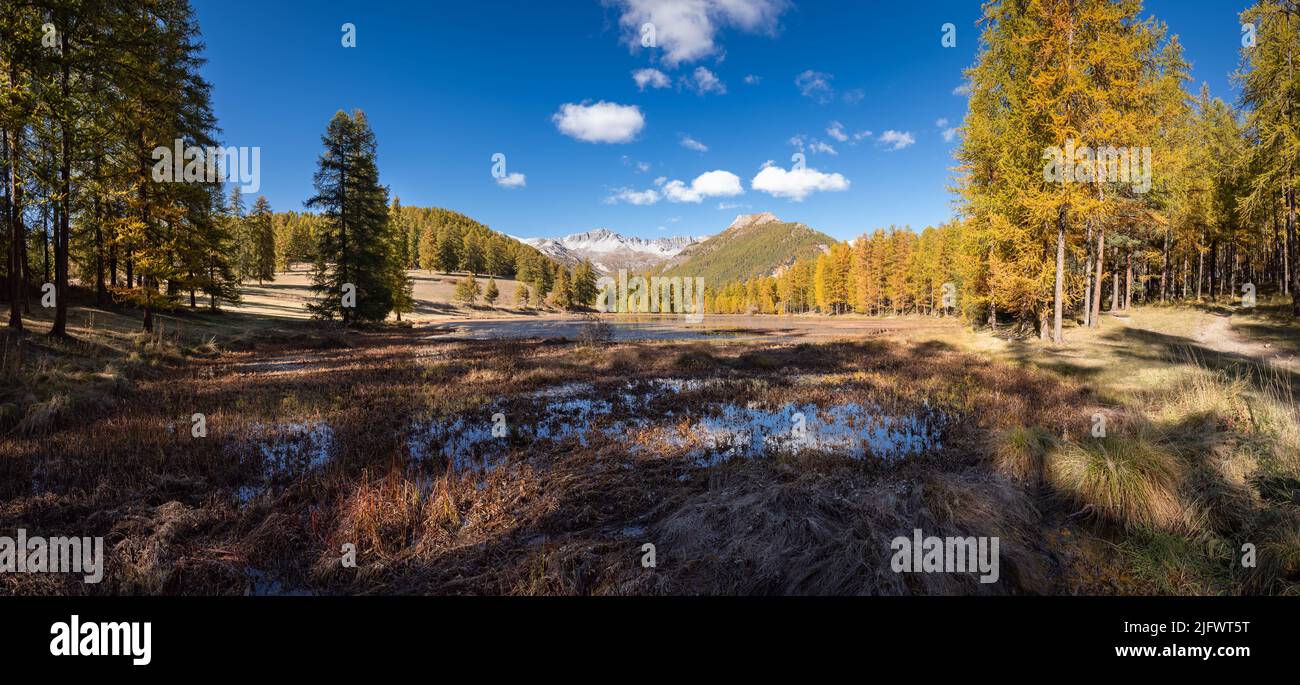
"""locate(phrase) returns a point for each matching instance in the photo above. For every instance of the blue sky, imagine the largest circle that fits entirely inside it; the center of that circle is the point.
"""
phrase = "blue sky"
(446, 85)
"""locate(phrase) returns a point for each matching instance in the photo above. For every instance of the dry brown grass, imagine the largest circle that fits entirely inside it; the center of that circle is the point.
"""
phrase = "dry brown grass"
(559, 518)
(189, 515)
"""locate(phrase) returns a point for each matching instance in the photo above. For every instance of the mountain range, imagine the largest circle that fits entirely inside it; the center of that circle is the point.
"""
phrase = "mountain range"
(753, 245)
(608, 251)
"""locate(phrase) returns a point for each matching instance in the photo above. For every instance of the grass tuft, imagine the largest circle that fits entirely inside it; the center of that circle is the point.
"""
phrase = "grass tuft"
(1019, 452)
(1131, 480)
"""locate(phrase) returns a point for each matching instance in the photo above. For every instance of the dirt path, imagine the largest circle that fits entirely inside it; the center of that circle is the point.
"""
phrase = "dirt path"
(1219, 335)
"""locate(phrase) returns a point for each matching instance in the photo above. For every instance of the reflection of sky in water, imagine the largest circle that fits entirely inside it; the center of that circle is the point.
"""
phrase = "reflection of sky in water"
(849, 429)
(719, 432)
(287, 450)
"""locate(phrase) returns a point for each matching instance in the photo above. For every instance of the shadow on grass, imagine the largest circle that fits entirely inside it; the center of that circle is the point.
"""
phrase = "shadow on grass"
(1161, 348)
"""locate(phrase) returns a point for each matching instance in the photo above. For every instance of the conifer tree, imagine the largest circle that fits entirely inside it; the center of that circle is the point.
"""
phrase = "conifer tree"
(471, 256)
(261, 230)
(1270, 80)
(584, 284)
(429, 253)
(354, 254)
(468, 289)
(562, 298)
(448, 251)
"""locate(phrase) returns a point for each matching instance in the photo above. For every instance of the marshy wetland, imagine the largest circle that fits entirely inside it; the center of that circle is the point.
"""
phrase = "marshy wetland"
(760, 465)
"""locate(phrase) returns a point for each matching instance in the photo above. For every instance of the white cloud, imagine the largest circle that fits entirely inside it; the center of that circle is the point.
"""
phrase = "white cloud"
(641, 167)
(962, 90)
(718, 184)
(686, 30)
(808, 144)
(753, 80)
(634, 197)
(796, 184)
(692, 144)
(897, 140)
(815, 85)
(860, 135)
(710, 184)
(948, 132)
(821, 146)
(854, 96)
(603, 122)
(703, 81)
(652, 78)
(513, 180)
(836, 131)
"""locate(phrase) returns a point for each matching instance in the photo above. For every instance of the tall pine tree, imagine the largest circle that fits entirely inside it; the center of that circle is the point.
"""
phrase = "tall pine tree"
(353, 253)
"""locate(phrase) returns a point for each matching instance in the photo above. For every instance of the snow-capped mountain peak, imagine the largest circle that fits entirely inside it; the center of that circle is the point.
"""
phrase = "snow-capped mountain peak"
(603, 240)
(609, 251)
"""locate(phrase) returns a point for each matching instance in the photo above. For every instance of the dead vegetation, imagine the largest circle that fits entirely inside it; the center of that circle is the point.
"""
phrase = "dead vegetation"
(565, 508)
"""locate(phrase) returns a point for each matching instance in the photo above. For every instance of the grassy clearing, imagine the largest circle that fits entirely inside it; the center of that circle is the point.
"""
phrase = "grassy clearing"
(1200, 455)
(286, 297)
(45, 381)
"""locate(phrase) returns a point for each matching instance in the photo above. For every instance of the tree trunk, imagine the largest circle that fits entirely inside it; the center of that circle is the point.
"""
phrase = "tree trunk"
(45, 241)
(1058, 296)
(1200, 269)
(1164, 270)
(343, 233)
(1114, 288)
(1187, 268)
(1128, 281)
(1087, 279)
(1214, 270)
(1286, 256)
(26, 285)
(60, 325)
(145, 281)
(1230, 270)
(1101, 264)
(101, 290)
(1295, 251)
(14, 209)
